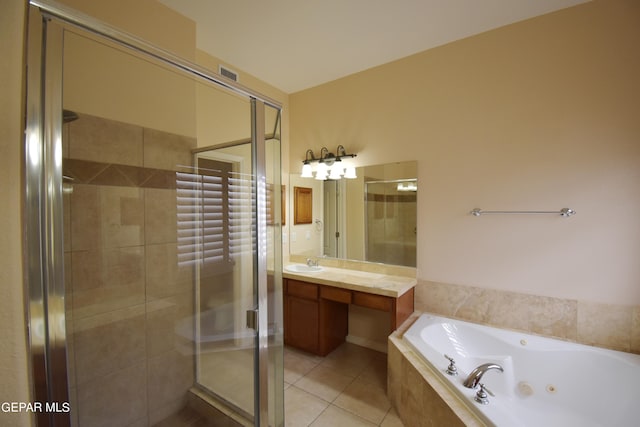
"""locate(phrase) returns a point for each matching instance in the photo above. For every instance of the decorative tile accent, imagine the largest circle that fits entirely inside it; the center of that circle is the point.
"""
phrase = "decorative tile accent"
(102, 140)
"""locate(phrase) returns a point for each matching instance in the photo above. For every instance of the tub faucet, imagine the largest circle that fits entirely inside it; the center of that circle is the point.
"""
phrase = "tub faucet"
(476, 375)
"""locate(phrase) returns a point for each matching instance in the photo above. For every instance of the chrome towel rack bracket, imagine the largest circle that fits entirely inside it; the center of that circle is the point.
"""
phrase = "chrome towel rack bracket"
(565, 212)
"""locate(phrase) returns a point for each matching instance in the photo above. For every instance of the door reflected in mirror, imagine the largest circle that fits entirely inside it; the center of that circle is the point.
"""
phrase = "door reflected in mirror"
(371, 218)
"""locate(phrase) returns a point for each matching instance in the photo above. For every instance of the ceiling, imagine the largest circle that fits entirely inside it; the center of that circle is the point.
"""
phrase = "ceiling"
(297, 44)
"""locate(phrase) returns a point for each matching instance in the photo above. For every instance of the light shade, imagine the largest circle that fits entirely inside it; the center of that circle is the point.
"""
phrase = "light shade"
(350, 173)
(336, 171)
(321, 173)
(307, 171)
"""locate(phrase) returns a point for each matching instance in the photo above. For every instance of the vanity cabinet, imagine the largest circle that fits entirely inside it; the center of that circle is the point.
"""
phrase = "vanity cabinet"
(316, 317)
(301, 315)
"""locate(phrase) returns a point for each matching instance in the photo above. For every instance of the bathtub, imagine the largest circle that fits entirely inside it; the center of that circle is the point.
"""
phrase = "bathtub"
(545, 382)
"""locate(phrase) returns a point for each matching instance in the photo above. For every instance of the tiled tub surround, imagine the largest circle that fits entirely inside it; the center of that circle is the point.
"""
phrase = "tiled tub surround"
(616, 327)
(125, 290)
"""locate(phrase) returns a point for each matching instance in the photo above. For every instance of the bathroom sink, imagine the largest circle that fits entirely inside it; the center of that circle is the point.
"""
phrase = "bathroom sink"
(303, 268)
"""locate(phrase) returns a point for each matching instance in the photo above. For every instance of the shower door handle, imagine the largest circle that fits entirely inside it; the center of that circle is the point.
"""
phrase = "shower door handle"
(252, 319)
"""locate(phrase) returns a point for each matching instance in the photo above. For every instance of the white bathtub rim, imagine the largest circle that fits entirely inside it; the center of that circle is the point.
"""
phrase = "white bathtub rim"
(624, 356)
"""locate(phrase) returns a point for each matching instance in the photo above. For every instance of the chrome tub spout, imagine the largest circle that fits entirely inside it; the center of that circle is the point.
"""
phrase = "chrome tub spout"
(476, 375)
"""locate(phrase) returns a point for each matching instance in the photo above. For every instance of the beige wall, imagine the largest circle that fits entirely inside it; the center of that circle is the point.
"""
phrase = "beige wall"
(13, 354)
(538, 115)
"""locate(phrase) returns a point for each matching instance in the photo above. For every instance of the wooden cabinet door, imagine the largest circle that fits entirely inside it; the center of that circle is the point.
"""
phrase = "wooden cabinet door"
(301, 327)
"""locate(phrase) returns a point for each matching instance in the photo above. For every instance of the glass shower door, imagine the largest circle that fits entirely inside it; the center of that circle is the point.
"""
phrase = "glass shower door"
(160, 245)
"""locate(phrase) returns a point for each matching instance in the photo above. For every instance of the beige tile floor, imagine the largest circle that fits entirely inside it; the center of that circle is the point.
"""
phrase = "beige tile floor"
(345, 388)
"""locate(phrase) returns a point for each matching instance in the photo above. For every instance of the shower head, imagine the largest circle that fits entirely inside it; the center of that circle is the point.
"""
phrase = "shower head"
(68, 116)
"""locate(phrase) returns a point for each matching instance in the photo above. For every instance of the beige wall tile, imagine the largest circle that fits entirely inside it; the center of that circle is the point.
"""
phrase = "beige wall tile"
(109, 347)
(411, 391)
(161, 217)
(605, 325)
(635, 330)
(164, 150)
(165, 277)
(170, 376)
(101, 140)
(553, 317)
(510, 310)
(439, 413)
(169, 323)
(119, 398)
(439, 298)
(394, 373)
(109, 267)
(476, 306)
(106, 216)
(107, 280)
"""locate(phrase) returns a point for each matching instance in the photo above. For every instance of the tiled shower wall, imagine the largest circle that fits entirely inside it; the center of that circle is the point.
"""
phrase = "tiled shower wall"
(129, 303)
(604, 325)
(391, 225)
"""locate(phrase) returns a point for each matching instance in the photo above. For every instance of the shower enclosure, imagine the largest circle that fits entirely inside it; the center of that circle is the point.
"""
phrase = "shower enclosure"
(391, 221)
(153, 232)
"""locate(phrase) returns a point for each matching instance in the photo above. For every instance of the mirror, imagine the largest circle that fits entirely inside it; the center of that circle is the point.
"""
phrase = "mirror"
(370, 218)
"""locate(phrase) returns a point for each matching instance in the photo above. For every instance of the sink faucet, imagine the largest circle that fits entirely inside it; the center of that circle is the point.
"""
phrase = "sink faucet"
(476, 375)
(312, 263)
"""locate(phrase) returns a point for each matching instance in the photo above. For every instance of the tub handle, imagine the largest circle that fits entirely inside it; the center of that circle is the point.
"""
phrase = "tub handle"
(451, 369)
(481, 395)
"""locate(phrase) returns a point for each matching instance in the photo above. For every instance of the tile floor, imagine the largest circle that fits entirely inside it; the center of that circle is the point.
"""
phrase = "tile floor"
(345, 388)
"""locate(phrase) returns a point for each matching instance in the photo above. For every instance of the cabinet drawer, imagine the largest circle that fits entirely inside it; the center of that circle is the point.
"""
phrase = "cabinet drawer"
(302, 289)
(377, 302)
(335, 294)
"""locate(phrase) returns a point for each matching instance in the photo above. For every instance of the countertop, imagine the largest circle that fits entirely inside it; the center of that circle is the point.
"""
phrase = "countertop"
(355, 280)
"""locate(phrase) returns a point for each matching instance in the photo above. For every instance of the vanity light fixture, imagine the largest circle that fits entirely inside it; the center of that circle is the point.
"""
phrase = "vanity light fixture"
(330, 166)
